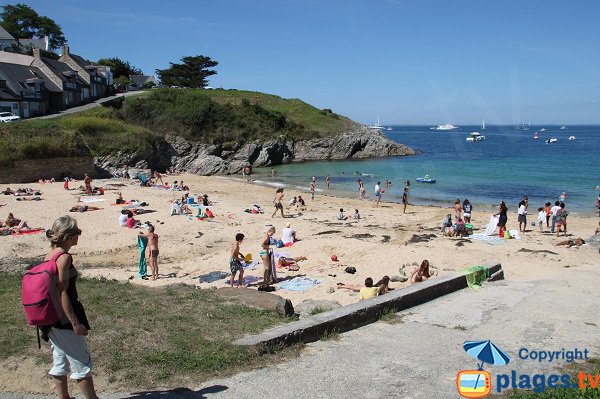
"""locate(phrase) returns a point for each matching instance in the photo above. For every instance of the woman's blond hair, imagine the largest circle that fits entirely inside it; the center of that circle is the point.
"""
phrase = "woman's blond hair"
(64, 228)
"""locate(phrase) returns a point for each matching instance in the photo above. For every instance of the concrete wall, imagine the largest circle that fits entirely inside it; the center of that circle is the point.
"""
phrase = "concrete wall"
(29, 171)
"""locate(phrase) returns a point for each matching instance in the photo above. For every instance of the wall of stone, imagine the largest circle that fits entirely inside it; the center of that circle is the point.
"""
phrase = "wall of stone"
(28, 171)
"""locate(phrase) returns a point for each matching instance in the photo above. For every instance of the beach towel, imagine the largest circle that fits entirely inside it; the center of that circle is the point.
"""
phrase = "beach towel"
(247, 280)
(273, 267)
(514, 234)
(491, 227)
(33, 231)
(142, 244)
(492, 240)
(251, 265)
(298, 284)
(91, 199)
(476, 275)
(212, 277)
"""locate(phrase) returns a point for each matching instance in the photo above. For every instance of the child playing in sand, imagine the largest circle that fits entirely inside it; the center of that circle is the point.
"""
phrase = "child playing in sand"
(421, 273)
(341, 215)
(235, 261)
(356, 214)
(152, 238)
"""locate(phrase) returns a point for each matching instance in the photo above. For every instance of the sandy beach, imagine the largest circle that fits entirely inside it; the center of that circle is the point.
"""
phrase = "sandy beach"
(379, 244)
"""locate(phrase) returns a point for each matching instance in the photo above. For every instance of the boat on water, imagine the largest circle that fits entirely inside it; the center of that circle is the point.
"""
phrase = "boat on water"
(563, 127)
(376, 126)
(447, 126)
(475, 136)
(551, 140)
(543, 129)
(535, 135)
(571, 138)
(483, 126)
(388, 129)
(425, 179)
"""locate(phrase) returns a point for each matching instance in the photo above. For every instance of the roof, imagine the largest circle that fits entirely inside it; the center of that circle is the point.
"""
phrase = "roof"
(60, 67)
(15, 75)
(41, 43)
(4, 35)
(139, 80)
(14, 58)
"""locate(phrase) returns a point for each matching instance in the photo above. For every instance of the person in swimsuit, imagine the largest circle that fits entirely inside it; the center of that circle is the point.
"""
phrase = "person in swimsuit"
(457, 210)
(421, 273)
(570, 243)
(405, 200)
(88, 184)
(277, 202)
(328, 181)
(84, 208)
(265, 255)
(152, 238)
(502, 218)
(235, 261)
(69, 346)
(378, 192)
(312, 189)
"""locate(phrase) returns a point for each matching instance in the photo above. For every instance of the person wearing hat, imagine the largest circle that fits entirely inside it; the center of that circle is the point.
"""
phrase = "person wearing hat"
(288, 235)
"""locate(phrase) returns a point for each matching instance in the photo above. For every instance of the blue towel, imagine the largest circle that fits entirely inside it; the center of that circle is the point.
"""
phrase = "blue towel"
(298, 284)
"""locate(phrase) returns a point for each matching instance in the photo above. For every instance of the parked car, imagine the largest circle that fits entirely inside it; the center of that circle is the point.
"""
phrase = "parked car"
(8, 117)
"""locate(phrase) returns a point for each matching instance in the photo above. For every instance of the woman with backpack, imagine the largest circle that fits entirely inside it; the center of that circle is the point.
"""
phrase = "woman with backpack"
(67, 336)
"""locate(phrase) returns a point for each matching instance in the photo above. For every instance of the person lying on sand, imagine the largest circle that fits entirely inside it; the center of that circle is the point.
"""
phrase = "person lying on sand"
(84, 208)
(366, 292)
(573, 242)
(290, 263)
(29, 199)
(12, 221)
(421, 273)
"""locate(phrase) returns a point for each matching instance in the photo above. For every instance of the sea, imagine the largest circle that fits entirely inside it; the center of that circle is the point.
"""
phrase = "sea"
(507, 165)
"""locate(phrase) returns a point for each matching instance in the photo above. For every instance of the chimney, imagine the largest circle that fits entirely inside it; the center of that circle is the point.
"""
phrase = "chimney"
(36, 54)
(65, 50)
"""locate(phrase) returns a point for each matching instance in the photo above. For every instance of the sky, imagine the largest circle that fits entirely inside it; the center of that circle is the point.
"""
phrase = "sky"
(406, 61)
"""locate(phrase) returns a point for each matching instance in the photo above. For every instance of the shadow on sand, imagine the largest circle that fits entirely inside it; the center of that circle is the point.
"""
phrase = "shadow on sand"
(183, 393)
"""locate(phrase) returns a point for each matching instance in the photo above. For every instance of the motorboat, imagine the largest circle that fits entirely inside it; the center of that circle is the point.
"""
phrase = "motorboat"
(425, 179)
(543, 129)
(389, 129)
(475, 136)
(447, 126)
(571, 138)
(551, 140)
(535, 135)
(563, 127)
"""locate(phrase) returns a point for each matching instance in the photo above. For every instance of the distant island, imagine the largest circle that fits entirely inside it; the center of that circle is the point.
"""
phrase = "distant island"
(190, 130)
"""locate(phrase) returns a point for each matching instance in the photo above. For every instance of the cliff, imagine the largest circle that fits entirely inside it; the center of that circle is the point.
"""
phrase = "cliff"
(204, 159)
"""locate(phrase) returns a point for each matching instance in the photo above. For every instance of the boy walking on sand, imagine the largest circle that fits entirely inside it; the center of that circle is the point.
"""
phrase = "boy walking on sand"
(235, 261)
(152, 238)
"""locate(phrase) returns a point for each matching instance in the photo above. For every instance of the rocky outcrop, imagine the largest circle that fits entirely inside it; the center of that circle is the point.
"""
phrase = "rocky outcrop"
(209, 159)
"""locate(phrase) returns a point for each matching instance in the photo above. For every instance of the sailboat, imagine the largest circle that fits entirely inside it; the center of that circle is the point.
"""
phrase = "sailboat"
(483, 126)
(377, 126)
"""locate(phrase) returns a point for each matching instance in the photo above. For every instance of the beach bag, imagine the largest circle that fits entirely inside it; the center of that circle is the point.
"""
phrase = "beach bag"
(39, 293)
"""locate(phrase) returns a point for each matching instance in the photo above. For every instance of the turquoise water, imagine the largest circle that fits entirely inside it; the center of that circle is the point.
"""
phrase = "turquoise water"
(510, 163)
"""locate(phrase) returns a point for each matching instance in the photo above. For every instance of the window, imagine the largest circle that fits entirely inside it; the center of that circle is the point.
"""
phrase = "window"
(2, 84)
(23, 85)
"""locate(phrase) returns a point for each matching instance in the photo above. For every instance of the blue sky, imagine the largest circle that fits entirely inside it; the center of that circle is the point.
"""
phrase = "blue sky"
(410, 61)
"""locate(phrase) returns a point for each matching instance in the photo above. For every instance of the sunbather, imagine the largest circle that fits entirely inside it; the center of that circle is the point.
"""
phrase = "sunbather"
(290, 263)
(29, 199)
(421, 273)
(573, 242)
(366, 292)
(11, 221)
(84, 208)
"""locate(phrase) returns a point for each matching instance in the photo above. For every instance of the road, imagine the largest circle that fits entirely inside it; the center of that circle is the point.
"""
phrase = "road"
(91, 105)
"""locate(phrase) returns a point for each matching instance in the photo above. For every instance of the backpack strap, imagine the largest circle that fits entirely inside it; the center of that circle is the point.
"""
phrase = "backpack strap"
(55, 258)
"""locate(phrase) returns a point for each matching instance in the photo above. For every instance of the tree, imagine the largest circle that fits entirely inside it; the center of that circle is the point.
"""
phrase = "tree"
(192, 73)
(23, 22)
(120, 67)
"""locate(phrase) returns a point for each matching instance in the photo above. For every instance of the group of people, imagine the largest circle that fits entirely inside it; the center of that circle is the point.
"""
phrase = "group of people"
(553, 216)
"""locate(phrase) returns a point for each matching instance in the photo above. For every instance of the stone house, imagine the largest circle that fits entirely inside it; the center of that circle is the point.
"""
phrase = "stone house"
(98, 78)
(6, 39)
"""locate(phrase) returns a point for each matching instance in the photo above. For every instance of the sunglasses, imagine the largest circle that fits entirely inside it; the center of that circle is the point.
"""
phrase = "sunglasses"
(78, 232)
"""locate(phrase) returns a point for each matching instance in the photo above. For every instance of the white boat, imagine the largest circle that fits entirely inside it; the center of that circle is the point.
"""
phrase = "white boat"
(475, 136)
(377, 126)
(535, 135)
(447, 126)
(483, 126)
(543, 129)
(551, 140)
(563, 127)
(388, 129)
(571, 138)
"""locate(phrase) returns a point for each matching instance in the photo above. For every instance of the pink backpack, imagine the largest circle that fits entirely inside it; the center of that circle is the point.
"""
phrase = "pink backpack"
(41, 301)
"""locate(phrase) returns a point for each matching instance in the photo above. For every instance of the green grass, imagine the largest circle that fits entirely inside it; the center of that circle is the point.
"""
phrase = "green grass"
(319, 309)
(591, 366)
(225, 117)
(141, 337)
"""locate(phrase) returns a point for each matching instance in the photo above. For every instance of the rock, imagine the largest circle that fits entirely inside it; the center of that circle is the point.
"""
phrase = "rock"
(331, 290)
(257, 299)
(399, 279)
(308, 307)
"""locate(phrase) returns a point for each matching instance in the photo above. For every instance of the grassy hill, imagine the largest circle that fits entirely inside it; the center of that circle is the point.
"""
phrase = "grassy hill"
(227, 117)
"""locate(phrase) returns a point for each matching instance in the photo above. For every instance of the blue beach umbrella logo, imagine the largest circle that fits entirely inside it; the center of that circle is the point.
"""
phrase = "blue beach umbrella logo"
(486, 352)
(476, 384)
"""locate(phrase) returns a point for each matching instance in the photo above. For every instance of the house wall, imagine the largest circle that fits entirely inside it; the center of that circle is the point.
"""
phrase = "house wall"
(28, 171)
